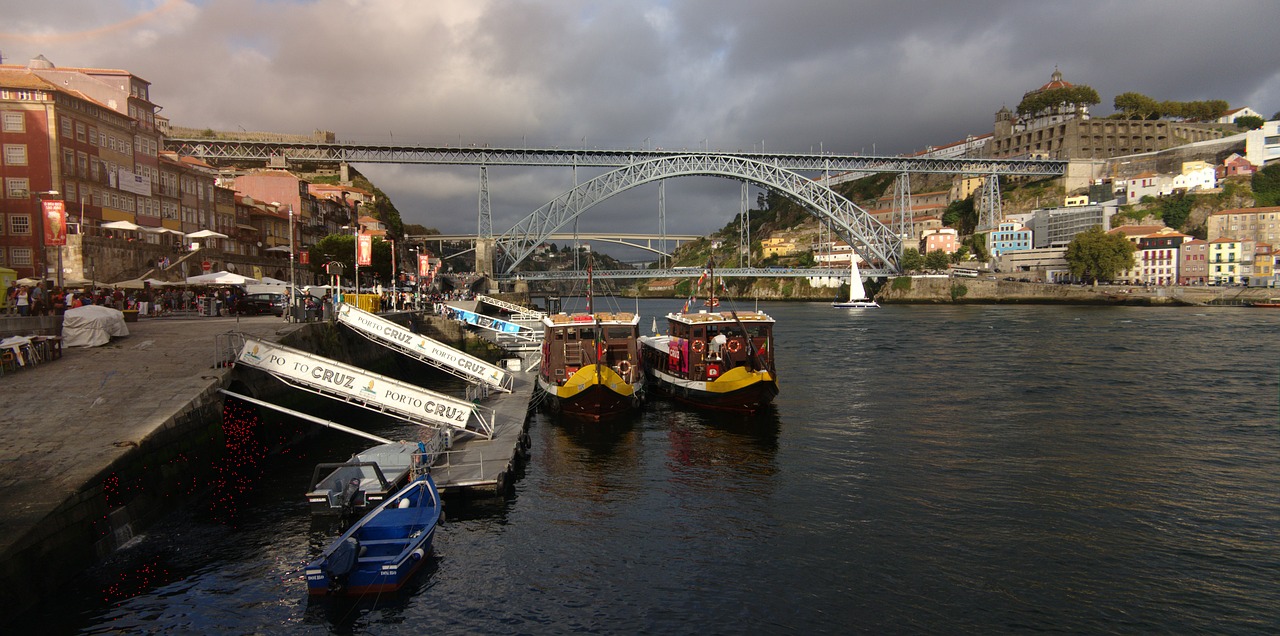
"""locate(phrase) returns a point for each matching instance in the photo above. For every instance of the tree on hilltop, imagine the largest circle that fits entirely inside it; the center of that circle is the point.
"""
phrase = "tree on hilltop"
(1039, 101)
(1094, 255)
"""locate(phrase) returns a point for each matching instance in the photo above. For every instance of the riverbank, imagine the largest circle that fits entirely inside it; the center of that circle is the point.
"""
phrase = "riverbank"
(953, 290)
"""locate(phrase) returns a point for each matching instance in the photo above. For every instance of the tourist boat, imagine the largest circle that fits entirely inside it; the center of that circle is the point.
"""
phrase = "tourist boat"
(1270, 303)
(857, 294)
(591, 367)
(362, 482)
(381, 551)
(719, 360)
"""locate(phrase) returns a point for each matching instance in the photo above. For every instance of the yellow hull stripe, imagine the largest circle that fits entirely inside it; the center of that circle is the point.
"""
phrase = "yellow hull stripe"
(585, 378)
(737, 378)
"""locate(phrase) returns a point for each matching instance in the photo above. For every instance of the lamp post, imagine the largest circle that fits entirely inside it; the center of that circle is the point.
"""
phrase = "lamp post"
(293, 285)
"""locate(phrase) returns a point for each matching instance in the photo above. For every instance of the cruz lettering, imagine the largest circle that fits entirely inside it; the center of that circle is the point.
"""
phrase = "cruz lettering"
(334, 377)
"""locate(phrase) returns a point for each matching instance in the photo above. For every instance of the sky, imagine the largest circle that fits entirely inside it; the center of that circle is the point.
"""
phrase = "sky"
(840, 76)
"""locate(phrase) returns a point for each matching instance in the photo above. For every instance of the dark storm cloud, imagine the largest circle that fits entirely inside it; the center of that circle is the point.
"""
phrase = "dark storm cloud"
(843, 76)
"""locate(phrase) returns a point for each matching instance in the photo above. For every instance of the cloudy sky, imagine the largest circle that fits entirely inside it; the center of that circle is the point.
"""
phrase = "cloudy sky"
(846, 76)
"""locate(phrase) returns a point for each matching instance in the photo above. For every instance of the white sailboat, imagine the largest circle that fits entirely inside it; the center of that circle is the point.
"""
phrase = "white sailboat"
(857, 295)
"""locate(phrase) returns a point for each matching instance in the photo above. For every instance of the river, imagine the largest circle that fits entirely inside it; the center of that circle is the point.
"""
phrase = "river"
(927, 469)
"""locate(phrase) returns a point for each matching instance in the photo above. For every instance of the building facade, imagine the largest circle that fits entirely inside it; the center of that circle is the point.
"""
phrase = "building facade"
(1193, 262)
(1262, 225)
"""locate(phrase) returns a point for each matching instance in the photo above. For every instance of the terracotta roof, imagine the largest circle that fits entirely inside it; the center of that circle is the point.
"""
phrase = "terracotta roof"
(1225, 240)
(1055, 81)
(1136, 230)
(14, 78)
(1196, 242)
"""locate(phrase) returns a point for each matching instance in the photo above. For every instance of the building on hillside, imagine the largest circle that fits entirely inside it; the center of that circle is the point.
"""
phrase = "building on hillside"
(1147, 184)
(1264, 272)
(971, 146)
(946, 239)
(1196, 176)
(1261, 225)
(777, 246)
(1056, 227)
(1009, 236)
(1224, 261)
(1262, 146)
(1135, 233)
(1235, 165)
(1236, 113)
(1193, 262)
(1065, 131)
(1076, 201)
(1158, 258)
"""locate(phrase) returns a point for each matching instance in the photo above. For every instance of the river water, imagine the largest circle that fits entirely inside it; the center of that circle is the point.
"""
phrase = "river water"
(973, 469)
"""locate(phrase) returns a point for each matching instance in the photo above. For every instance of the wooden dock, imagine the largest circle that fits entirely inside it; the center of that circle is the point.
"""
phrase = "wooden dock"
(487, 466)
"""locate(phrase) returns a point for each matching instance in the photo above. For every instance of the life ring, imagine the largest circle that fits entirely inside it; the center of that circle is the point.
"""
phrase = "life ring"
(624, 367)
(734, 346)
(698, 345)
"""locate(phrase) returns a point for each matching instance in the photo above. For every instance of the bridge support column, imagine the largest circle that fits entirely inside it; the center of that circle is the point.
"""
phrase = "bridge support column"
(484, 255)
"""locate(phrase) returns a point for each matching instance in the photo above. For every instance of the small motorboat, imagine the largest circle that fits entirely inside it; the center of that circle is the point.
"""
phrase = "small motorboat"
(381, 551)
(362, 482)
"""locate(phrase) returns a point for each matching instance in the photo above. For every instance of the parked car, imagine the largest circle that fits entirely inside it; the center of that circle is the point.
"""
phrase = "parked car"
(261, 303)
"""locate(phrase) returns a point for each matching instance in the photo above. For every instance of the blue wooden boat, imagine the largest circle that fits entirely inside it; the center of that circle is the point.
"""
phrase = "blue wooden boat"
(384, 548)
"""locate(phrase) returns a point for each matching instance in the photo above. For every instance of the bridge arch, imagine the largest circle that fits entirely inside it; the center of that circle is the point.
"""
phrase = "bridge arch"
(875, 242)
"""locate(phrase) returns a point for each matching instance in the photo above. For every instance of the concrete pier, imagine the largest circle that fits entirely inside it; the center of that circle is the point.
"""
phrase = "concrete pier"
(98, 444)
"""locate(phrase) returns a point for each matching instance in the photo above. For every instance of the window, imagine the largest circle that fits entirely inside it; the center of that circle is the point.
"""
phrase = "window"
(80, 132)
(64, 125)
(14, 122)
(21, 256)
(17, 188)
(15, 154)
(20, 224)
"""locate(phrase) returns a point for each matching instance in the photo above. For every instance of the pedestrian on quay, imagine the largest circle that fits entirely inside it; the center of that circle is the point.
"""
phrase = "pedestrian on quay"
(22, 300)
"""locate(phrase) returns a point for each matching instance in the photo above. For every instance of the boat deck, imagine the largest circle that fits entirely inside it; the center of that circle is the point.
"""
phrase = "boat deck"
(475, 464)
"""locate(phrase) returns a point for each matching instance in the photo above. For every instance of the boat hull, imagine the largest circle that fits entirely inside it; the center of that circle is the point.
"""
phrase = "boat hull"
(384, 549)
(748, 392)
(857, 304)
(585, 399)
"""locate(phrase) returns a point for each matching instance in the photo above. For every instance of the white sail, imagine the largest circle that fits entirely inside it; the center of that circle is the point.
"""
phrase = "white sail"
(856, 291)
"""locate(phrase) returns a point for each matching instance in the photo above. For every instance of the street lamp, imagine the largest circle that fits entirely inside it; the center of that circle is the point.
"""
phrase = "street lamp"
(293, 282)
(355, 246)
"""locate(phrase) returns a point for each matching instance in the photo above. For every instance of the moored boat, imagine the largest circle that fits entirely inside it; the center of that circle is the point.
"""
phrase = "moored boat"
(591, 367)
(719, 360)
(362, 482)
(381, 551)
(1270, 303)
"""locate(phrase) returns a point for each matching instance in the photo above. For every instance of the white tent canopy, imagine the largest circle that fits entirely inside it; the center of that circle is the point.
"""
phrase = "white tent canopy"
(206, 234)
(220, 278)
(120, 225)
(267, 280)
(160, 230)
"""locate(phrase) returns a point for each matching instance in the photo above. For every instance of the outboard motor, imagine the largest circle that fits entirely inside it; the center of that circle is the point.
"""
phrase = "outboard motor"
(348, 497)
(341, 562)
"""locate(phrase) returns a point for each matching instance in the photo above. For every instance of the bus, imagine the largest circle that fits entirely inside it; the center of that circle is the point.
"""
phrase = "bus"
(964, 272)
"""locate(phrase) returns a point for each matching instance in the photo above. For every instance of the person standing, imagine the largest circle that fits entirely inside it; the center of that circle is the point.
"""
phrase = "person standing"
(24, 301)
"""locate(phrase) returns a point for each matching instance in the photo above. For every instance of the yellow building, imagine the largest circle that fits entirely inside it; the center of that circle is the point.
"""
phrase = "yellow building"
(1224, 261)
(777, 246)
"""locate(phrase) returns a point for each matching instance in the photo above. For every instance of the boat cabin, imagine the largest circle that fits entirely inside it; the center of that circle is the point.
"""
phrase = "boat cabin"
(571, 342)
(706, 345)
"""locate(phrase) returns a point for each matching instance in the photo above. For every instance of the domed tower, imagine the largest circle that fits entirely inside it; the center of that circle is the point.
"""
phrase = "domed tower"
(1054, 113)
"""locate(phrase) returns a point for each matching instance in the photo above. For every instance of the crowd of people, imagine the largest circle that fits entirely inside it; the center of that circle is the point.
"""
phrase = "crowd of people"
(37, 300)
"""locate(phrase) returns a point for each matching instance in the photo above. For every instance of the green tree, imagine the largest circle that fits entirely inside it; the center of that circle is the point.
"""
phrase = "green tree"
(961, 215)
(1036, 102)
(1136, 106)
(977, 244)
(1250, 122)
(1095, 255)
(912, 261)
(1266, 185)
(1175, 211)
(937, 260)
(960, 255)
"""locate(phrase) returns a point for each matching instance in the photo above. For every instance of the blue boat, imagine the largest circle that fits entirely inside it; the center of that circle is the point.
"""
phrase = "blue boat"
(384, 548)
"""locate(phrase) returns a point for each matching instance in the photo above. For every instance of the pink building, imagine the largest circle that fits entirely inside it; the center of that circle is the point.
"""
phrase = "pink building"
(946, 239)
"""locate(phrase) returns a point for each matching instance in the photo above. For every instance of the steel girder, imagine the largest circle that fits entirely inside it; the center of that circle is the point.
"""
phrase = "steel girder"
(877, 244)
(215, 150)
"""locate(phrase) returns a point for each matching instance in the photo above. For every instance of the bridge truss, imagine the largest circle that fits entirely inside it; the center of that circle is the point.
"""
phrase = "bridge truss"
(878, 245)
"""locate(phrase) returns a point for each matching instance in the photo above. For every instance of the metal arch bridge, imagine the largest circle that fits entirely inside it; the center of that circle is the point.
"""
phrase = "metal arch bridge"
(693, 272)
(638, 241)
(873, 241)
(274, 152)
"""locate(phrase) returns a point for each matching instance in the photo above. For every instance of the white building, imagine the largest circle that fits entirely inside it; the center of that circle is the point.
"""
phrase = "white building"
(1196, 175)
(1263, 145)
